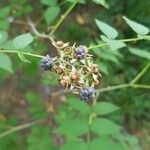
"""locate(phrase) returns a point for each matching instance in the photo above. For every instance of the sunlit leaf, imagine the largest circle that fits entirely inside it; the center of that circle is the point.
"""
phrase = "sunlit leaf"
(140, 52)
(107, 29)
(114, 44)
(22, 41)
(102, 2)
(137, 27)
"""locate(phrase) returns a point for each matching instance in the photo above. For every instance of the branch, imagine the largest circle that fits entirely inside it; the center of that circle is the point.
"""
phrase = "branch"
(21, 127)
(123, 40)
(34, 30)
(63, 17)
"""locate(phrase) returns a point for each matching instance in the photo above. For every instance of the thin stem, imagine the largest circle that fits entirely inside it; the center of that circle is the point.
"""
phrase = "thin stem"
(123, 40)
(140, 86)
(144, 70)
(25, 53)
(21, 127)
(63, 17)
(111, 88)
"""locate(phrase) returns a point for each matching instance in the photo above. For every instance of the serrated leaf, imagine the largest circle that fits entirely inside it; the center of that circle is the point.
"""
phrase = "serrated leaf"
(80, 106)
(51, 13)
(73, 128)
(140, 52)
(102, 2)
(49, 2)
(104, 108)
(104, 126)
(3, 37)
(22, 41)
(109, 31)
(114, 44)
(22, 57)
(5, 62)
(74, 145)
(105, 143)
(137, 27)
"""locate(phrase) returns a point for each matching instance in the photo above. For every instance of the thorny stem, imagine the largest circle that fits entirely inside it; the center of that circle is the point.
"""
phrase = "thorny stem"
(63, 17)
(123, 40)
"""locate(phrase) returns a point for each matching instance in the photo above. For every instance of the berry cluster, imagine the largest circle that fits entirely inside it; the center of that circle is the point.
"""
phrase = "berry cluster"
(75, 69)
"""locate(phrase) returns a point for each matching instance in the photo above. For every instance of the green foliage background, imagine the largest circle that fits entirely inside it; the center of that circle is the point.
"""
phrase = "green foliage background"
(121, 117)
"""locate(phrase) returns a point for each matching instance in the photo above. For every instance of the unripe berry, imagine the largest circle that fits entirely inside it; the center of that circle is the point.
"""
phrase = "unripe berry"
(46, 63)
(87, 93)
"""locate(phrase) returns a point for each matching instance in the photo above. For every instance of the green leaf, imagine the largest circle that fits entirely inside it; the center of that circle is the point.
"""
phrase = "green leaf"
(49, 2)
(51, 13)
(104, 108)
(103, 67)
(73, 128)
(102, 2)
(22, 41)
(105, 143)
(80, 106)
(138, 28)
(74, 145)
(3, 37)
(5, 62)
(80, 1)
(4, 24)
(140, 53)
(104, 126)
(22, 57)
(114, 44)
(4, 12)
(106, 29)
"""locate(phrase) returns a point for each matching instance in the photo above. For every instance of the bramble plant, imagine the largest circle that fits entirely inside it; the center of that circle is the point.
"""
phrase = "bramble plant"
(81, 125)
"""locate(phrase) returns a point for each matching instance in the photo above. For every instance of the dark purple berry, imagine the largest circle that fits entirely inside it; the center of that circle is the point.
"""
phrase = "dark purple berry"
(46, 63)
(87, 93)
(80, 52)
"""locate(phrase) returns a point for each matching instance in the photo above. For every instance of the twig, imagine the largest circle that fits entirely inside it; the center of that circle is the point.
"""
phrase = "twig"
(123, 40)
(21, 127)
(34, 30)
(63, 17)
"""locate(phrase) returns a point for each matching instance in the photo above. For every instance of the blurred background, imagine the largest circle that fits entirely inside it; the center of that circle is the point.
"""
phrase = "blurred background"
(26, 93)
